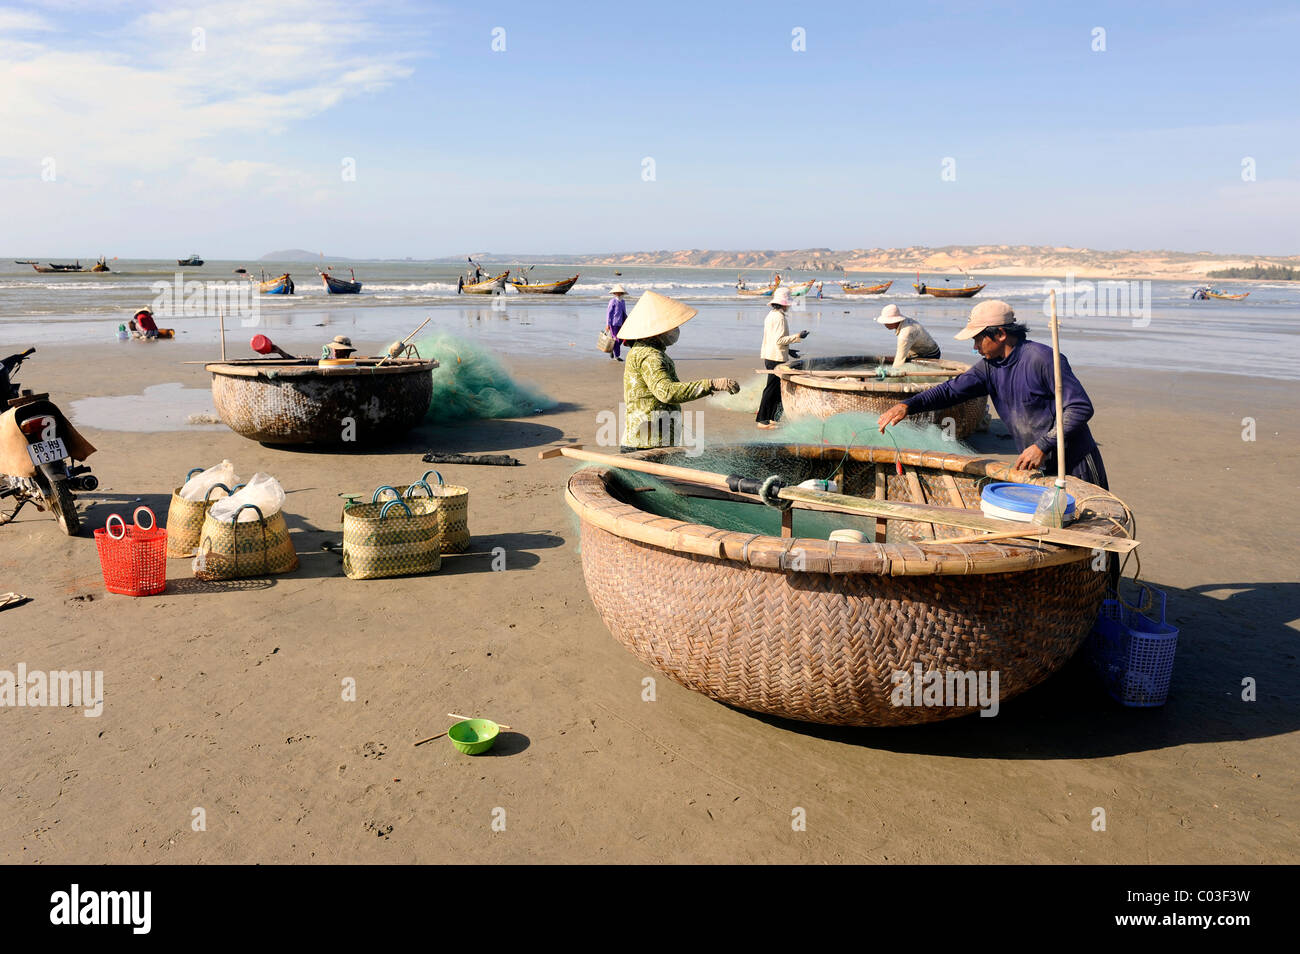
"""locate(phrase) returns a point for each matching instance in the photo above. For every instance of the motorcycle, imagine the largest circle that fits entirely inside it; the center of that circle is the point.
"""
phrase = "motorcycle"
(55, 476)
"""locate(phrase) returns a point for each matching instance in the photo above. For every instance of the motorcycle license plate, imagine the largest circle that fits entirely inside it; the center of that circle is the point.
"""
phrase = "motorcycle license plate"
(47, 452)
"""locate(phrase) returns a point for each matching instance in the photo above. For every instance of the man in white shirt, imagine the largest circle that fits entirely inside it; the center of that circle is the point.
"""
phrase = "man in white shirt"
(913, 340)
(776, 350)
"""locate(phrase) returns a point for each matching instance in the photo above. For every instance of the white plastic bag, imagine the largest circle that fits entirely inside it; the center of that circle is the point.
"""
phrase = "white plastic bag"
(197, 486)
(262, 491)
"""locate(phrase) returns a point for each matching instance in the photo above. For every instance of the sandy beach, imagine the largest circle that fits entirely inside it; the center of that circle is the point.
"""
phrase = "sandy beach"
(229, 698)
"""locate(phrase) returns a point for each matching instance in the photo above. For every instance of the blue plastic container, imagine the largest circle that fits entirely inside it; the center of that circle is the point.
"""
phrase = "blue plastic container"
(1018, 501)
(1134, 653)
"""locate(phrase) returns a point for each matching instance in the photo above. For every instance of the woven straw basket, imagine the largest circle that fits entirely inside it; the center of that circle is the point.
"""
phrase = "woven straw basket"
(185, 519)
(820, 636)
(822, 397)
(230, 550)
(392, 538)
(452, 502)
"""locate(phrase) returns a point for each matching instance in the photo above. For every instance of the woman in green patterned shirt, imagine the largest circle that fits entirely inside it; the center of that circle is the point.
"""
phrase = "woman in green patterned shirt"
(652, 395)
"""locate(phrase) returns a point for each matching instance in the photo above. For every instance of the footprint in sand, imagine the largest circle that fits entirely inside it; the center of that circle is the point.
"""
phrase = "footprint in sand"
(374, 750)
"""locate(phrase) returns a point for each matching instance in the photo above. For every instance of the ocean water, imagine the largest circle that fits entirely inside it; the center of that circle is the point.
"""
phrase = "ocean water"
(1162, 327)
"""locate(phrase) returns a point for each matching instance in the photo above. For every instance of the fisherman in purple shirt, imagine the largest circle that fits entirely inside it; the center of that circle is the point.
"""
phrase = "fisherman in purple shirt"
(1017, 375)
(615, 315)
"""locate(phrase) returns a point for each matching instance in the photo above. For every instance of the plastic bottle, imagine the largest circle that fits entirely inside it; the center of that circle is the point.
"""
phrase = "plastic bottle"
(1050, 511)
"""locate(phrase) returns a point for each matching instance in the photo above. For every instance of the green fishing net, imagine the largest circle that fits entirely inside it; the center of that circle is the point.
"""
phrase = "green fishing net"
(744, 453)
(471, 382)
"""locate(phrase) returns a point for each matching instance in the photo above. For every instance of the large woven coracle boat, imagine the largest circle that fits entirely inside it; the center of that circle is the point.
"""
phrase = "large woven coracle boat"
(705, 590)
(822, 394)
(297, 402)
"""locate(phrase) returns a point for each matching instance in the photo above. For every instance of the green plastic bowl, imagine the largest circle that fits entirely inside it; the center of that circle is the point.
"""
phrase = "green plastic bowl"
(473, 736)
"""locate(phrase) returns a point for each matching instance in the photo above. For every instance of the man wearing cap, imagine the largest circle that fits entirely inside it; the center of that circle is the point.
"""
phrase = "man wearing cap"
(652, 395)
(615, 315)
(776, 350)
(913, 340)
(1017, 374)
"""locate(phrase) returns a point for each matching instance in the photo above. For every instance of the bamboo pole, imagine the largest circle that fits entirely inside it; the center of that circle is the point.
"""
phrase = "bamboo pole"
(842, 503)
(221, 317)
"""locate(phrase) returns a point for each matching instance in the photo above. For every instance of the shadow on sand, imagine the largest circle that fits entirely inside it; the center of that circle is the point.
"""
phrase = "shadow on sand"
(1228, 632)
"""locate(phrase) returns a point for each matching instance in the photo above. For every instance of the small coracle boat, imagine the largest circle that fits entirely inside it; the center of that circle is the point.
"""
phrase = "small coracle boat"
(340, 286)
(278, 401)
(487, 286)
(707, 589)
(545, 288)
(273, 286)
(822, 387)
(100, 266)
(1211, 293)
(967, 291)
(859, 288)
(193, 261)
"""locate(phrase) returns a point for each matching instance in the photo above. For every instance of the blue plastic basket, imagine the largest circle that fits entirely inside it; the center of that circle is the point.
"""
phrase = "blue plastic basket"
(1133, 653)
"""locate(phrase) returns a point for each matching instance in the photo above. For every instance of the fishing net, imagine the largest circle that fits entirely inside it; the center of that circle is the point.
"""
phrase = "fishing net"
(471, 382)
(766, 455)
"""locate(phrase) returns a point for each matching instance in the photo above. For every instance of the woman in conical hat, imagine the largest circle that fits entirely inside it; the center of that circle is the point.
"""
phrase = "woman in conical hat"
(652, 395)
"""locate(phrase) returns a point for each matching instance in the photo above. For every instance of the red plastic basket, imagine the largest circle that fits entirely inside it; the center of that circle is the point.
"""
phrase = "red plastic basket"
(134, 561)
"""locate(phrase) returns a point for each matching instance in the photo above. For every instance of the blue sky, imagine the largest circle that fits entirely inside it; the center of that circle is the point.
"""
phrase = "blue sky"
(152, 147)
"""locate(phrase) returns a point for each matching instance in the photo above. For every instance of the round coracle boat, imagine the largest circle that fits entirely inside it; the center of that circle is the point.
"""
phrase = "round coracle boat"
(700, 585)
(822, 393)
(299, 402)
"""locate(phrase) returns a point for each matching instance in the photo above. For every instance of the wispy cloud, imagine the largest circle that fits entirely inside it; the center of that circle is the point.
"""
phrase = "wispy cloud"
(183, 89)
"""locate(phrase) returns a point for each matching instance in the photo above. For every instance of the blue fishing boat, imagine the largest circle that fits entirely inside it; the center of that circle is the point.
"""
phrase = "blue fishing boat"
(340, 286)
(274, 286)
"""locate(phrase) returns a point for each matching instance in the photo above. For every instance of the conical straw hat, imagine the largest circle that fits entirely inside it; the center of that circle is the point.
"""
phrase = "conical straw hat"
(653, 315)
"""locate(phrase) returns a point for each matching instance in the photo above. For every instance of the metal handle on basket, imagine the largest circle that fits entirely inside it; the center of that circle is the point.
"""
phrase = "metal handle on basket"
(394, 503)
(424, 478)
(193, 471)
(419, 483)
(153, 518)
(379, 490)
(108, 523)
(207, 497)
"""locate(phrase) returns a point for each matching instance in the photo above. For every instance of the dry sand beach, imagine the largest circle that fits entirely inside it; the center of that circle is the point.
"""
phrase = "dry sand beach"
(229, 698)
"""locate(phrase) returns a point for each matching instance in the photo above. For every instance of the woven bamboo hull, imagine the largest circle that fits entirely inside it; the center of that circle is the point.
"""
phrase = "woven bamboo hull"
(969, 291)
(283, 404)
(823, 644)
(865, 289)
(546, 288)
(822, 397)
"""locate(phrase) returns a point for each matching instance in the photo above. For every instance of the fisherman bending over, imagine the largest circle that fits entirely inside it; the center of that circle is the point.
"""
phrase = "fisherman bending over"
(1017, 375)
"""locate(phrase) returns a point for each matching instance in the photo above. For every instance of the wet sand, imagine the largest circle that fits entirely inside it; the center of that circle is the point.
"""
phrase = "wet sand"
(229, 699)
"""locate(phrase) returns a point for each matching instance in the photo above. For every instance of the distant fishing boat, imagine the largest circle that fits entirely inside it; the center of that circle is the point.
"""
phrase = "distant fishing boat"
(340, 286)
(193, 260)
(487, 286)
(1214, 293)
(24, 261)
(858, 288)
(273, 286)
(545, 288)
(45, 269)
(797, 289)
(101, 265)
(241, 271)
(969, 290)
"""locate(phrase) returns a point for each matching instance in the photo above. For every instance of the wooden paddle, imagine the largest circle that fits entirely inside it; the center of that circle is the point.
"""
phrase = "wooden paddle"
(747, 488)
